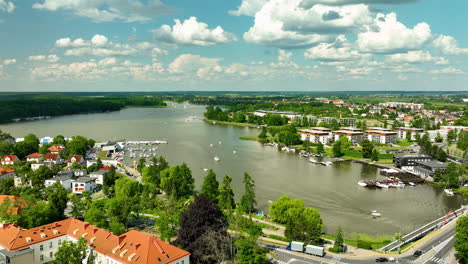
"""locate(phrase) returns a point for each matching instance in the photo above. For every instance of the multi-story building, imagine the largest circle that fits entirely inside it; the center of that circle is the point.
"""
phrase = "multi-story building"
(411, 106)
(348, 122)
(65, 181)
(316, 135)
(408, 162)
(289, 114)
(35, 157)
(381, 136)
(402, 132)
(354, 136)
(83, 184)
(38, 245)
(426, 169)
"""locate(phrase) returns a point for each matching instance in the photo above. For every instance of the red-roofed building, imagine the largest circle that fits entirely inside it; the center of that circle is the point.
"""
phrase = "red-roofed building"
(6, 172)
(9, 159)
(75, 158)
(132, 247)
(16, 203)
(53, 158)
(35, 157)
(56, 149)
(105, 168)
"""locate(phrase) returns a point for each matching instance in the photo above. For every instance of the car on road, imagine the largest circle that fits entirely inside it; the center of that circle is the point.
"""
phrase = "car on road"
(417, 253)
(272, 247)
(381, 259)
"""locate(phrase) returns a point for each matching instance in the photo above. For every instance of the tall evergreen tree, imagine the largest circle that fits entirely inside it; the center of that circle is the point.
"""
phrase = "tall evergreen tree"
(57, 201)
(248, 200)
(226, 195)
(210, 186)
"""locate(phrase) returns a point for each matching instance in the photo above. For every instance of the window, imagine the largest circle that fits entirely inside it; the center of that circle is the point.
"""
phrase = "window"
(51, 245)
(60, 242)
(51, 254)
(41, 258)
(41, 248)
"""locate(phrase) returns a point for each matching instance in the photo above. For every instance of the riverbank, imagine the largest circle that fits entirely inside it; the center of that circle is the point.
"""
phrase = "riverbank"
(228, 123)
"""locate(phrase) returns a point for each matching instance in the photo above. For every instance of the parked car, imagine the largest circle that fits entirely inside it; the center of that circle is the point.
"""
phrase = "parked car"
(417, 253)
(381, 259)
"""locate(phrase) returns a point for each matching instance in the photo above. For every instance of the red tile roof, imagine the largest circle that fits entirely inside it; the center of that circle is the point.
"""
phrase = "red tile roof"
(50, 156)
(105, 168)
(12, 157)
(56, 148)
(5, 170)
(78, 158)
(132, 247)
(34, 155)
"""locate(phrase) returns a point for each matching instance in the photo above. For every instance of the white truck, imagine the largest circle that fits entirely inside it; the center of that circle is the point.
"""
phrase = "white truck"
(296, 246)
(315, 250)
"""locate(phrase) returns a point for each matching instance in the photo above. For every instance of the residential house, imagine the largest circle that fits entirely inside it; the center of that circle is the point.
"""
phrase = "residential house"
(64, 180)
(84, 184)
(53, 158)
(56, 149)
(316, 135)
(99, 175)
(354, 136)
(36, 166)
(35, 157)
(381, 135)
(75, 158)
(38, 245)
(77, 172)
(45, 140)
(6, 173)
(9, 159)
(16, 203)
(351, 122)
(20, 181)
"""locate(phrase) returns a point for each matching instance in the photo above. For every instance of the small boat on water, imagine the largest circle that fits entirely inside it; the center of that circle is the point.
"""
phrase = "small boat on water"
(234, 152)
(449, 192)
(270, 201)
(219, 142)
(411, 183)
(216, 158)
(361, 183)
(311, 160)
(211, 145)
(205, 169)
(326, 163)
(382, 185)
(375, 214)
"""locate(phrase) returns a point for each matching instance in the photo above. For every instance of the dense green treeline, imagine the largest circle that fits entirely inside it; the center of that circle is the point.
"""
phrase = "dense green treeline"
(23, 107)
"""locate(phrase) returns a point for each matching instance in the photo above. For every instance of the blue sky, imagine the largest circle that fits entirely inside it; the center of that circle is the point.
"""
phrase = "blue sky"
(248, 45)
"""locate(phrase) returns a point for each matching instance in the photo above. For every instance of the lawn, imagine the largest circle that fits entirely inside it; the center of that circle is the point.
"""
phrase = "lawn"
(404, 143)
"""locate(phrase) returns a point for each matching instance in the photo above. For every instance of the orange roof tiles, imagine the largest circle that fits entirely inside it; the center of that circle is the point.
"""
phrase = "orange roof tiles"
(34, 155)
(18, 203)
(132, 247)
(50, 156)
(5, 170)
(56, 148)
(11, 158)
(78, 158)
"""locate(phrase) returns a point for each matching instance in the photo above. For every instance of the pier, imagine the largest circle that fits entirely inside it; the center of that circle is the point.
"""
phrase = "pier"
(153, 142)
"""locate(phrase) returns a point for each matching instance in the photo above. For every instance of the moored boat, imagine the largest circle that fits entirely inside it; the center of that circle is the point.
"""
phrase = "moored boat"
(362, 183)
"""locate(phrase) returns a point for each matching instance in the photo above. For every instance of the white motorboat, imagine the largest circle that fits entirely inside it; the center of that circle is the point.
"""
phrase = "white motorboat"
(311, 160)
(219, 142)
(449, 192)
(211, 145)
(361, 183)
(205, 169)
(382, 185)
(216, 158)
(411, 183)
(326, 163)
(234, 152)
(375, 214)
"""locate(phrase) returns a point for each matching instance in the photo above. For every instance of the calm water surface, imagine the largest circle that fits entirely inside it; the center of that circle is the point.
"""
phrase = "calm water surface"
(333, 189)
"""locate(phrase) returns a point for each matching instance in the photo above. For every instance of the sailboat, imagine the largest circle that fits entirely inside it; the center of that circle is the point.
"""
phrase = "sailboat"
(216, 158)
(375, 214)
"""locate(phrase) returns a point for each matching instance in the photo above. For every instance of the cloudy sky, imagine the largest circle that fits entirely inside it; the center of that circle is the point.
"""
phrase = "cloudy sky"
(250, 45)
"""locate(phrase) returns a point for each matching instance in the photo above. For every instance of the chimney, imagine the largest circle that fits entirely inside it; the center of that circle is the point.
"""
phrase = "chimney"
(121, 238)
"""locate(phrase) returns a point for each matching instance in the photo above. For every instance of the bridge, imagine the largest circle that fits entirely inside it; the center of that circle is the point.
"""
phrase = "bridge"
(424, 230)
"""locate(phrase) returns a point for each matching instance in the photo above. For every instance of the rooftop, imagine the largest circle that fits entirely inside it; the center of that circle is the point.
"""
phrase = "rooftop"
(85, 179)
(432, 164)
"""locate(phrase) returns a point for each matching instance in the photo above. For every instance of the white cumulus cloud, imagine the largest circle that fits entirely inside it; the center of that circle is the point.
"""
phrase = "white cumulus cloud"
(340, 50)
(186, 63)
(9, 61)
(52, 58)
(192, 32)
(108, 10)
(416, 56)
(7, 6)
(100, 45)
(388, 35)
(448, 70)
(248, 7)
(449, 46)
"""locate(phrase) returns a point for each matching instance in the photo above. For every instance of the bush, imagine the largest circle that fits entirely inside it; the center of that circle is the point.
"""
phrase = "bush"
(364, 244)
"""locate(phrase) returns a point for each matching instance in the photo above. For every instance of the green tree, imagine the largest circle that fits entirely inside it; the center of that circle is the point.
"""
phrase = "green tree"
(79, 145)
(5, 148)
(462, 142)
(451, 175)
(96, 214)
(79, 205)
(320, 148)
(367, 149)
(249, 252)
(40, 175)
(32, 138)
(465, 159)
(70, 252)
(375, 155)
(24, 148)
(77, 166)
(57, 199)
(399, 237)
(438, 138)
(200, 218)
(289, 138)
(278, 209)
(177, 181)
(408, 135)
(338, 246)
(334, 125)
(461, 239)
(346, 144)
(248, 200)
(263, 134)
(152, 174)
(35, 215)
(59, 140)
(116, 227)
(226, 195)
(210, 186)
(303, 224)
(337, 151)
(452, 136)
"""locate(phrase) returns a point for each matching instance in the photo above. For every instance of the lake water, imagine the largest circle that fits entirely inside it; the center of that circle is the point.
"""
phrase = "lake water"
(331, 189)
